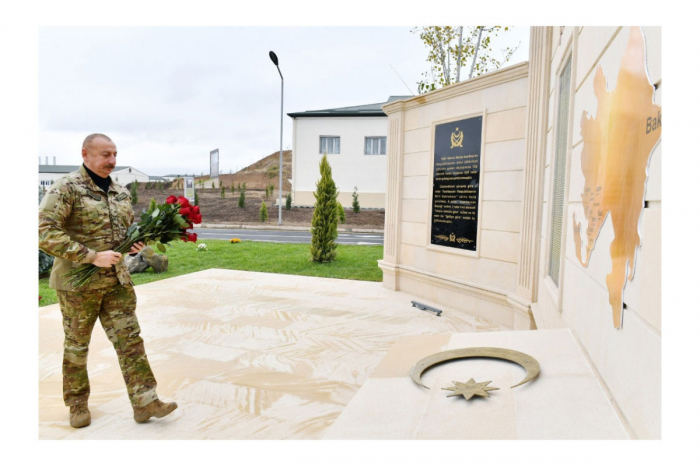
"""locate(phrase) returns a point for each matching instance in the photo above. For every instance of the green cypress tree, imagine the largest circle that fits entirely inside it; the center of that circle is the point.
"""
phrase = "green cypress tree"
(241, 200)
(324, 224)
(288, 204)
(223, 192)
(233, 189)
(134, 193)
(341, 213)
(355, 202)
(196, 198)
(263, 212)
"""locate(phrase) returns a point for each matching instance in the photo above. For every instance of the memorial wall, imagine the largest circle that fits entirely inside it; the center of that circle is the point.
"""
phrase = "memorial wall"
(531, 197)
(454, 193)
(605, 283)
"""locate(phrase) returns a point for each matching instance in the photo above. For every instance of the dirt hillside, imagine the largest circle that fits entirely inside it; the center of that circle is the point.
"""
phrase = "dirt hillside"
(216, 209)
(257, 175)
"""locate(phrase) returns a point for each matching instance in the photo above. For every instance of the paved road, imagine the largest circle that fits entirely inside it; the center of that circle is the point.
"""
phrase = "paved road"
(284, 236)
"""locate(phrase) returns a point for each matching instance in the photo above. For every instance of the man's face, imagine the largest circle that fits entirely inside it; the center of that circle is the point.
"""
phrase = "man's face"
(100, 156)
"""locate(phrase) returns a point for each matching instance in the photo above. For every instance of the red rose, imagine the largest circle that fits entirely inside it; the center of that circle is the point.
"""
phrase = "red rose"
(192, 237)
(185, 211)
(171, 200)
(183, 201)
(197, 218)
(195, 209)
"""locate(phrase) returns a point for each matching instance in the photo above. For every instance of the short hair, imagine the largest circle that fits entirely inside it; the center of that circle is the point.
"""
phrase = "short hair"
(89, 139)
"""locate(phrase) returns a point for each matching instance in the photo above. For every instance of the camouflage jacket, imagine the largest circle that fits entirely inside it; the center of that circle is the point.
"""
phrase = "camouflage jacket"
(77, 220)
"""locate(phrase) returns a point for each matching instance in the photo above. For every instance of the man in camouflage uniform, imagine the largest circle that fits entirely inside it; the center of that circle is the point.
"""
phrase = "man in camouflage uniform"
(81, 219)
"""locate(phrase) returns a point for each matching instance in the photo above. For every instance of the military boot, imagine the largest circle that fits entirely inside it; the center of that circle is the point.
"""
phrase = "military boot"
(154, 409)
(79, 415)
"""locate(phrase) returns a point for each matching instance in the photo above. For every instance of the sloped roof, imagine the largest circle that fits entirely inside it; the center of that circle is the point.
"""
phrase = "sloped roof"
(356, 110)
(67, 168)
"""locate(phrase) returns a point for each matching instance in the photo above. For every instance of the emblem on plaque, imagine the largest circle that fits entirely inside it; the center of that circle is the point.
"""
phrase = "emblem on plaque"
(457, 138)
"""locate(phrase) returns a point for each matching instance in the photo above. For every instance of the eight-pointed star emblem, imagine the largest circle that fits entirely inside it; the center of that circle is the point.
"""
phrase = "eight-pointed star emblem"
(470, 389)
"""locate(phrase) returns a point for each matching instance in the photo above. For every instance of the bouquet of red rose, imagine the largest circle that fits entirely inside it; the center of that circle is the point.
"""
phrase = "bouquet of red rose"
(160, 224)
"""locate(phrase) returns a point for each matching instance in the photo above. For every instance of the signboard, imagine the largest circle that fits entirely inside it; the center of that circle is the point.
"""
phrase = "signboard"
(189, 188)
(214, 163)
(456, 173)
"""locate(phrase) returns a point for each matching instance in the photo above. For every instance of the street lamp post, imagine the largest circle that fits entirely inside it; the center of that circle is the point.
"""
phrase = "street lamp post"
(273, 57)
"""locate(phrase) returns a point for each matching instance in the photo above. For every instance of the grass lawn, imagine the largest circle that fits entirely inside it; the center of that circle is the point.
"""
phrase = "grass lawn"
(352, 262)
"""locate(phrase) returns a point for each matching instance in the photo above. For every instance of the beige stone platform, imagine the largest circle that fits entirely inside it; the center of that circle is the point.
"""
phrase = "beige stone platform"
(246, 355)
(565, 401)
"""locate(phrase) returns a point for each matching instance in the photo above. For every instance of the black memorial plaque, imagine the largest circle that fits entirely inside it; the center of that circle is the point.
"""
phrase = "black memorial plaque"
(456, 170)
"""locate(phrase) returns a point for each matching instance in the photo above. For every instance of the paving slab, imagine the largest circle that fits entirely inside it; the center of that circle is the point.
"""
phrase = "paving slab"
(566, 400)
(246, 355)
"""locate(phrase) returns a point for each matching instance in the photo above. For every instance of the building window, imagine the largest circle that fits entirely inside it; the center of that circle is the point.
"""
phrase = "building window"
(375, 145)
(560, 151)
(330, 145)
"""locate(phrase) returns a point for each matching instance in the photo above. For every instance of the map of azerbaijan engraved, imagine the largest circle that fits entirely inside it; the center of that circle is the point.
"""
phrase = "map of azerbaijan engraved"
(617, 147)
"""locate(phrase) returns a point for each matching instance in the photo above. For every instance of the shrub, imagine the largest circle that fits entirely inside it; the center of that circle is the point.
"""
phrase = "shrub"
(324, 224)
(220, 185)
(223, 192)
(134, 193)
(212, 185)
(355, 202)
(241, 200)
(341, 213)
(45, 262)
(233, 189)
(196, 198)
(272, 189)
(263, 212)
(288, 204)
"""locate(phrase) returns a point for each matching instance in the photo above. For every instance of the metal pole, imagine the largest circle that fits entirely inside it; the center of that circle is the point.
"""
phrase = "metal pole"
(279, 222)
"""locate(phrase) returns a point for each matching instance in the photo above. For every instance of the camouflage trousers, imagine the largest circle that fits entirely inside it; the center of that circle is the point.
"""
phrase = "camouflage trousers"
(116, 308)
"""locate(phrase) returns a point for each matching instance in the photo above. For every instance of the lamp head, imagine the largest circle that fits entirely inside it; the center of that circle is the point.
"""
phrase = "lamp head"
(273, 57)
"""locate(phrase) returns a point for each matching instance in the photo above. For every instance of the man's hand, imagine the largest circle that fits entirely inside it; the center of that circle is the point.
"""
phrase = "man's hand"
(136, 247)
(106, 258)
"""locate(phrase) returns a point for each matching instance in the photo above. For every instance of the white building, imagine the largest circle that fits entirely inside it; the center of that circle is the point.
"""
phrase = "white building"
(354, 138)
(48, 174)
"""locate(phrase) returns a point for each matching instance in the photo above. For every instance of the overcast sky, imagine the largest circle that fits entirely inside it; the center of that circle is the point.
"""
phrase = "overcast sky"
(167, 96)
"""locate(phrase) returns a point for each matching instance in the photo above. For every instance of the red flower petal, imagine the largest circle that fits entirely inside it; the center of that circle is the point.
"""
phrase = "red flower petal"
(171, 200)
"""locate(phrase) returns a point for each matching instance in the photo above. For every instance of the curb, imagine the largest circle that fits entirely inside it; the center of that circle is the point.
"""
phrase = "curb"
(277, 227)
